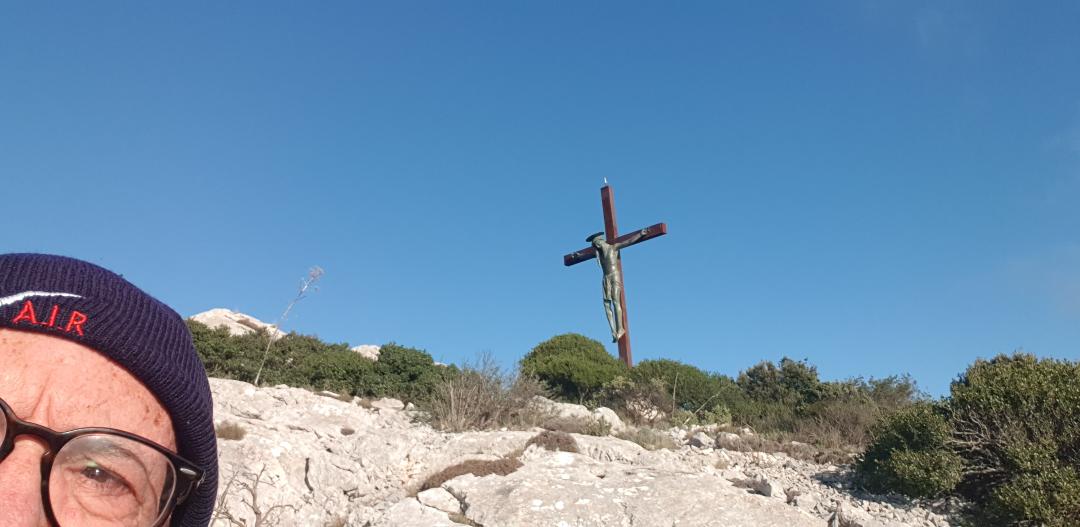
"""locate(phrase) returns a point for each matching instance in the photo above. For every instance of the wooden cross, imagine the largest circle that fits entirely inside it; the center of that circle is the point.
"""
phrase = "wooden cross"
(611, 234)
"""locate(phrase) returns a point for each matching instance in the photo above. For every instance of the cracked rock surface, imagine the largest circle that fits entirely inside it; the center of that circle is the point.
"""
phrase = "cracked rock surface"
(326, 461)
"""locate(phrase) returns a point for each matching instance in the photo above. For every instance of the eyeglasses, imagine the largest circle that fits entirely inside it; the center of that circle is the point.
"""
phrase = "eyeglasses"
(98, 477)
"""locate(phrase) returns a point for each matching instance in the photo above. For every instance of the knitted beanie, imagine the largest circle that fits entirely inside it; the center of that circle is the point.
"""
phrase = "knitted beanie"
(82, 302)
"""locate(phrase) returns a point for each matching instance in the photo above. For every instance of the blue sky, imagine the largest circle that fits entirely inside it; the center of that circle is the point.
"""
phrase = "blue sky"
(877, 186)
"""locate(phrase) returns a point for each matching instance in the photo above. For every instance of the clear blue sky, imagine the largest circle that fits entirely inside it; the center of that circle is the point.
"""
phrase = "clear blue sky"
(876, 186)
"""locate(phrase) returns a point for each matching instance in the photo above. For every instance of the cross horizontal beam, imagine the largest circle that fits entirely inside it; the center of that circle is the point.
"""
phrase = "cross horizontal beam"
(589, 253)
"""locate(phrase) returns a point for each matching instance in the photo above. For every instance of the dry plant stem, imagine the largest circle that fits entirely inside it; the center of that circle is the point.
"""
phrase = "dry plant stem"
(313, 276)
(220, 508)
(674, 386)
(714, 396)
(262, 518)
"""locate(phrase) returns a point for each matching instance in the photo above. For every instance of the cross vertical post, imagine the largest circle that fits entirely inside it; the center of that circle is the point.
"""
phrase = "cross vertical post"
(611, 232)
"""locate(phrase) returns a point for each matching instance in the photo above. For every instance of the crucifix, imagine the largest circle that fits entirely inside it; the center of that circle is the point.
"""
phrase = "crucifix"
(605, 248)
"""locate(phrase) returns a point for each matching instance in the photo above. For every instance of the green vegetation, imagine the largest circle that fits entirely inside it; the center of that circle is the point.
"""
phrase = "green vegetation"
(786, 400)
(306, 361)
(910, 454)
(1007, 438)
(692, 390)
(404, 373)
(573, 366)
(1016, 422)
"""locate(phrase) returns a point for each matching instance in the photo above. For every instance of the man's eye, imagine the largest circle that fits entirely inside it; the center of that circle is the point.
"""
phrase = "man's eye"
(99, 476)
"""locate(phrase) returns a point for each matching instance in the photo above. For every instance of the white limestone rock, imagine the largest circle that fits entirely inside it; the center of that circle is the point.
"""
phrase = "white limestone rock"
(853, 517)
(610, 417)
(729, 441)
(439, 498)
(579, 412)
(561, 488)
(369, 351)
(701, 440)
(333, 460)
(412, 513)
(562, 410)
(387, 403)
(236, 323)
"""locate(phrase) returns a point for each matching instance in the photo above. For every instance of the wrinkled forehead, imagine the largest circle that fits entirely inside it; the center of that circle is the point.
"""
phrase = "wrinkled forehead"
(65, 385)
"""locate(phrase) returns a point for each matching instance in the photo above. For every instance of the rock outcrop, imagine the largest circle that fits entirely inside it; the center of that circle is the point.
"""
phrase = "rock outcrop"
(236, 323)
(369, 351)
(318, 460)
(576, 411)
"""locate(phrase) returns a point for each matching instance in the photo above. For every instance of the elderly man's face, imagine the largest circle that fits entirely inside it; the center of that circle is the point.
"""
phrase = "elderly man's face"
(64, 385)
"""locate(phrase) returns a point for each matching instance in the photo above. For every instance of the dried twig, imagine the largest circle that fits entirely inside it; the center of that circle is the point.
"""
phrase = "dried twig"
(307, 283)
(262, 518)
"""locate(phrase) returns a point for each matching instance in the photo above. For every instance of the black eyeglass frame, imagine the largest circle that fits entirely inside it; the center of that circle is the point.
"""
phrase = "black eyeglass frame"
(188, 475)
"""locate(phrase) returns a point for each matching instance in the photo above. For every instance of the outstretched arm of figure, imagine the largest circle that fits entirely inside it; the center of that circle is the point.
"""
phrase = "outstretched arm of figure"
(633, 239)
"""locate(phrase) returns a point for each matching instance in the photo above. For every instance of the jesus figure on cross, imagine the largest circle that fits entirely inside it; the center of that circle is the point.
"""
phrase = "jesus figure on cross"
(607, 255)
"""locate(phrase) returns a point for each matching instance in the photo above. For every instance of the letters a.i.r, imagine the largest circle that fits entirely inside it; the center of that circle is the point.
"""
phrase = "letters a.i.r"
(28, 316)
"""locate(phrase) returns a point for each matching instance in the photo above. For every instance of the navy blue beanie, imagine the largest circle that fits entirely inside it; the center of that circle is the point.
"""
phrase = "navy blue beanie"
(82, 302)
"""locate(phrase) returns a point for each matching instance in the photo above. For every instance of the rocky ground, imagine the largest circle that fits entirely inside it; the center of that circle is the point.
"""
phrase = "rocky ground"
(310, 459)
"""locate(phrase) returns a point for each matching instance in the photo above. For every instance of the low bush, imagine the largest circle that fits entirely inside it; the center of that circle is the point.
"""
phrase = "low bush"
(305, 361)
(554, 441)
(342, 372)
(909, 453)
(575, 367)
(1016, 424)
(791, 382)
(227, 356)
(845, 411)
(789, 399)
(577, 425)
(230, 431)
(482, 396)
(691, 388)
(476, 467)
(641, 400)
(404, 373)
(1007, 438)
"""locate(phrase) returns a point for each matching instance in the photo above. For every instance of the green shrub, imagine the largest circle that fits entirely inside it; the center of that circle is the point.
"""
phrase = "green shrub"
(1016, 423)
(719, 414)
(306, 362)
(846, 410)
(693, 389)
(909, 453)
(789, 398)
(764, 416)
(1007, 438)
(404, 373)
(575, 367)
(642, 401)
(296, 360)
(226, 356)
(344, 372)
(291, 358)
(792, 382)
